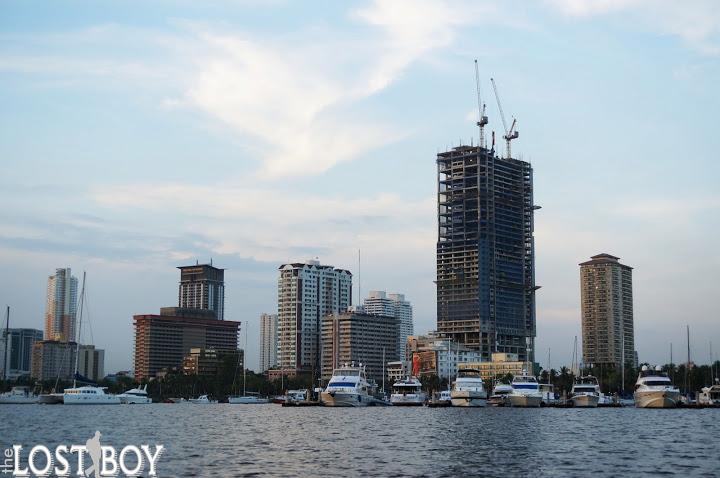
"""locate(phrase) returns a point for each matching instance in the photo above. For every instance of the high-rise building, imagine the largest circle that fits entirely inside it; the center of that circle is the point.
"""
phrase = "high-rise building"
(361, 338)
(163, 341)
(202, 286)
(485, 251)
(17, 357)
(307, 292)
(52, 359)
(268, 341)
(60, 307)
(91, 362)
(607, 311)
(392, 305)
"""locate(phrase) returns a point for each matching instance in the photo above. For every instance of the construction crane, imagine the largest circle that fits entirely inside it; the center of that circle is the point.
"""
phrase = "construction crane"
(510, 134)
(481, 109)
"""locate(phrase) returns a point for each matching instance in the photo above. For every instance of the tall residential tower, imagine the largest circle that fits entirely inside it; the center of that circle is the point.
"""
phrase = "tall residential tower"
(307, 292)
(61, 305)
(202, 286)
(268, 341)
(392, 305)
(607, 311)
(485, 251)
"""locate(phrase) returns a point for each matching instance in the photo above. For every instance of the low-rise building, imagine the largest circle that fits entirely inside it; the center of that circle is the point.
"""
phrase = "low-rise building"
(52, 359)
(91, 362)
(500, 365)
(433, 354)
(207, 361)
(396, 370)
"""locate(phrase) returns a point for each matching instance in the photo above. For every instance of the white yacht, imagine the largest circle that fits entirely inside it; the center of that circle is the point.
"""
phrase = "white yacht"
(547, 394)
(248, 399)
(468, 389)
(585, 392)
(710, 395)
(135, 396)
(348, 387)
(408, 392)
(654, 389)
(19, 395)
(525, 392)
(202, 400)
(500, 393)
(89, 395)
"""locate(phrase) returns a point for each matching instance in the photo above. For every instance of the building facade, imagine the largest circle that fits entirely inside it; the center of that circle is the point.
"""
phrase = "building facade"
(432, 354)
(162, 341)
(361, 338)
(500, 365)
(91, 362)
(268, 341)
(207, 361)
(16, 358)
(392, 305)
(52, 359)
(607, 311)
(485, 251)
(307, 292)
(202, 286)
(60, 306)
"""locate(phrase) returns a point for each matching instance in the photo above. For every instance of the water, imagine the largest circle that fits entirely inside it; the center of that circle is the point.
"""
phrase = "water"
(269, 440)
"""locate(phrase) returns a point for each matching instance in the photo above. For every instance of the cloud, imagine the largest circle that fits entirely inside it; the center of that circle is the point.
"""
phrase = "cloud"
(696, 22)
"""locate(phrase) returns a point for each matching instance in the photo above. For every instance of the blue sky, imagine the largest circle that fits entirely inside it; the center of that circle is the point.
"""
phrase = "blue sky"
(136, 137)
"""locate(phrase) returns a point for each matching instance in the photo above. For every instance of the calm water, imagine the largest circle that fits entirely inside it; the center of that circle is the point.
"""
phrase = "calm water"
(269, 440)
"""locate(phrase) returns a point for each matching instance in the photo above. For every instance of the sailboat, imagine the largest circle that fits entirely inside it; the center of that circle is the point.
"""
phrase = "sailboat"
(87, 394)
(247, 397)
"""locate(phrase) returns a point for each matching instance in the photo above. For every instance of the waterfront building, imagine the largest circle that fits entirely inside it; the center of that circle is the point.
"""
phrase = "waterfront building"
(607, 311)
(396, 370)
(392, 305)
(91, 362)
(207, 361)
(202, 286)
(60, 306)
(433, 354)
(500, 365)
(52, 359)
(307, 292)
(268, 341)
(485, 251)
(162, 341)
(361, 338)
(16, 358)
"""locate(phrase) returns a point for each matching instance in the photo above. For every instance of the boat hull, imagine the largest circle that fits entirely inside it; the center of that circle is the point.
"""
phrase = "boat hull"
(135, 400)
(248, 400)
(657, 399)
(50, 398)
(524, 401)
(414, 400)
(101, 400)
(497, 401)
(585, 401)
(337, 399)
(468, 402)
(18, 400)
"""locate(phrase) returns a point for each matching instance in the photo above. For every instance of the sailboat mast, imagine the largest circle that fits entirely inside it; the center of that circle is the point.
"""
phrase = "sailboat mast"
(245, 355)
(7, 336)
(77, 338)
(687, 367)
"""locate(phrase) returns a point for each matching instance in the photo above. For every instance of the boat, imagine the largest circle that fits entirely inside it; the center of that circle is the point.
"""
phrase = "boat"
(201, 400)
(89, 395)
(348, 387)
(19, 395)
(468, 389)
(500, 394)
(135, 396)
(654, 389)
(441, 399)
(585, 392)
(710, 396)
(408, 392)
(248, 399)
(50, 398)
(547, 393)
(525, 392)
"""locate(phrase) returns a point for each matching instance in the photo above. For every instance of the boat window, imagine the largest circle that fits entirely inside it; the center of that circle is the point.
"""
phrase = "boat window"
(657, 383)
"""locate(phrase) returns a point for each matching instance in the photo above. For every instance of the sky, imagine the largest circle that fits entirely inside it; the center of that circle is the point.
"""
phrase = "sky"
(136, 137)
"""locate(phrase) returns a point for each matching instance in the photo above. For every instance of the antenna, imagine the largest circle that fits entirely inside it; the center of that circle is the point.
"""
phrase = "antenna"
(482, 119)
(510, 134)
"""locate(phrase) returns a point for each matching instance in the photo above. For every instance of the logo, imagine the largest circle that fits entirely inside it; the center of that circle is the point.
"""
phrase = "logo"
(92, 460)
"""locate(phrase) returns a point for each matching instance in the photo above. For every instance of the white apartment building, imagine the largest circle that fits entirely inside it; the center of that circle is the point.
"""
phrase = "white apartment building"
(60, 308)
(307, 292)
(268, 341)
(392, 305)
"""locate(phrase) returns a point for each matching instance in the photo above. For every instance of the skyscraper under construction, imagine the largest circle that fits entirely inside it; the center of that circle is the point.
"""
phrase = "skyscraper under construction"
(485, 251)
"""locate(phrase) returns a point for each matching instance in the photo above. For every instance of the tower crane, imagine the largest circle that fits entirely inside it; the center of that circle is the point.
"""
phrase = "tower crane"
(510, 134)
(481, 109)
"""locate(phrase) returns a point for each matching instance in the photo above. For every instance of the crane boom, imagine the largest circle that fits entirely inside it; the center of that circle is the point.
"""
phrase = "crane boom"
(497, 98)
(482, 118)
(510, 134)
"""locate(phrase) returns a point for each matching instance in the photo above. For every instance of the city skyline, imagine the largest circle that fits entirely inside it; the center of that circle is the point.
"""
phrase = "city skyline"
(202, 134)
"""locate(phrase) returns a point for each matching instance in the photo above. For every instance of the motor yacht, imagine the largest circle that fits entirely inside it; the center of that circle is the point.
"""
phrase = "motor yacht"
(19, 395)
(547, 394)
(525, 392)
(710, 396)
(468, 389)
(499, 397)
(89, 395)
(348, 387)
(408, 392)
(135, 396)
(654, 389)
(585, 392)
(201, 400)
